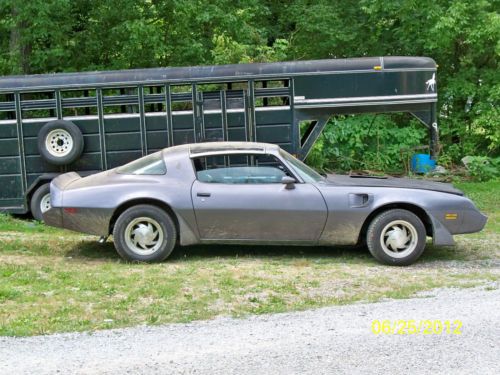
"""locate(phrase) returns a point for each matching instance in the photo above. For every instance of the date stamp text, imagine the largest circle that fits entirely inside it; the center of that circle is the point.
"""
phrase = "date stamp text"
(416, 327)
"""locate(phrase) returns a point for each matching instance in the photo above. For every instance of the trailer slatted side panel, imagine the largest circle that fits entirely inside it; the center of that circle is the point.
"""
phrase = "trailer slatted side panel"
(157, 131)
(123, 115)
(91, 158)
(274, 126)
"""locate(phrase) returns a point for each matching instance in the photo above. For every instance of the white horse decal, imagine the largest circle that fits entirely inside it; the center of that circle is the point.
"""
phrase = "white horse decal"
(431, 83)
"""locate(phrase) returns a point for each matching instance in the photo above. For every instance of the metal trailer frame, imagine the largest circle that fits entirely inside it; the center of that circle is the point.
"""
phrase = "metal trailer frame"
(126, 114)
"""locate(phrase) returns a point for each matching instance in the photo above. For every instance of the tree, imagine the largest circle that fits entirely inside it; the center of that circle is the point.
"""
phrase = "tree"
(463, 36)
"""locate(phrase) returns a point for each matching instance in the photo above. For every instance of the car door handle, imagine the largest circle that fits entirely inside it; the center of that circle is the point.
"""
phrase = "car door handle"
(203, 194)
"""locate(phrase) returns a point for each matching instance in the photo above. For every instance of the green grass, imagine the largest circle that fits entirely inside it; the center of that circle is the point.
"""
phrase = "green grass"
(10, 224)
(486, 195)
(53, 280)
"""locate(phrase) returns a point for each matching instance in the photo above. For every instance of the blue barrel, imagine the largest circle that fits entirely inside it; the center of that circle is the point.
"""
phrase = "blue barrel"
(422, 163)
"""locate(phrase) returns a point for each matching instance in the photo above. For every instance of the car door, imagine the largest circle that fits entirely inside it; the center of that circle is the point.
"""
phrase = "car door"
(241, 197)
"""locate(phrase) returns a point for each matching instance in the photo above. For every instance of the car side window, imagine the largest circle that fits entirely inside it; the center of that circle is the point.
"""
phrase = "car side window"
(152, 164)
(240, 169)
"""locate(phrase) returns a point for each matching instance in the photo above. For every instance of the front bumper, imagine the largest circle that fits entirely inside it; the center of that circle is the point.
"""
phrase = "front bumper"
(474, 221)
(467, 221)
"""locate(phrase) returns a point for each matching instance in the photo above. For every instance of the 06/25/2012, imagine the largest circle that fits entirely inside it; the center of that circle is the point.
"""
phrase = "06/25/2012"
(416, 327)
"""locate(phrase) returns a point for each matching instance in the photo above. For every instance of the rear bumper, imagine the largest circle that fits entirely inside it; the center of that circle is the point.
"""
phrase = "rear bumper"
(85, 220)
(53, 217)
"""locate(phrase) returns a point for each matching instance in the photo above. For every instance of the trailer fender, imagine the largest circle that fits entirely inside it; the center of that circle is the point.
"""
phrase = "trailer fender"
(35, 194)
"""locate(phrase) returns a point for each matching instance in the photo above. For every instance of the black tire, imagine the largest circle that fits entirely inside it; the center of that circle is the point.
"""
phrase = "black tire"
(39, 197)
(127, 229)
(60, 142)
(393, 223)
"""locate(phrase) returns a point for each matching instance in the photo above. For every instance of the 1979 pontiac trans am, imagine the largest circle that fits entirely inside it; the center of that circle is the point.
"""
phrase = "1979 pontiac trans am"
(255, 193)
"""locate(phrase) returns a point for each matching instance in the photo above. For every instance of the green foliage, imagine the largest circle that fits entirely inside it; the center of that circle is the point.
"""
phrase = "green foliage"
(228, 51)
(463, 37)
(366, 142)
(482, 168)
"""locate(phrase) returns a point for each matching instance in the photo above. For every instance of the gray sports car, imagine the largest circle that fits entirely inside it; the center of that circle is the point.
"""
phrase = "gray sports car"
(255, 193)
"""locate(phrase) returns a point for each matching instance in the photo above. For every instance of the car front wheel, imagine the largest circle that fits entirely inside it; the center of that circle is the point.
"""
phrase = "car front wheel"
(396, 237)
(144, 233)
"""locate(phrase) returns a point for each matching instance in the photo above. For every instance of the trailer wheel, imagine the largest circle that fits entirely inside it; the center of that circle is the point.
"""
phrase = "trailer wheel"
(60, 142)
(40, 201)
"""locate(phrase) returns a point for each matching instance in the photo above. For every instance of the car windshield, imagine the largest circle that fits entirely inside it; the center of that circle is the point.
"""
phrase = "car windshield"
(306, 173)
(148, 165)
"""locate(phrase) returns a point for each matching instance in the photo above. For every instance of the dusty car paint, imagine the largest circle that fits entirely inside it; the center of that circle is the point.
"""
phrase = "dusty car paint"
(328, 212)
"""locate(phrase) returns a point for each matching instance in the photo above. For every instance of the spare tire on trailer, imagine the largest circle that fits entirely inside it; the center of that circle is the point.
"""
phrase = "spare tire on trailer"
(60, 142)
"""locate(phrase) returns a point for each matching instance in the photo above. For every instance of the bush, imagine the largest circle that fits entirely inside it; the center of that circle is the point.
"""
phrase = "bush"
(482, 168)
(366, 142)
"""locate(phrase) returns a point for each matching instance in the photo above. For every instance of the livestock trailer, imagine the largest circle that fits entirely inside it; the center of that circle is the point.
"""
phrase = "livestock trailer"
(93, 121)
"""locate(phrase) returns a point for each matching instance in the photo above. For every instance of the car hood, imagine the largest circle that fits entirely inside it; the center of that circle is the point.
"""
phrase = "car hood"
(391, 182)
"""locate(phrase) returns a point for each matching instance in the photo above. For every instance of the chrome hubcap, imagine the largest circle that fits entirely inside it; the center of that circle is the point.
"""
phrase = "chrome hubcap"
(399, 239)
(144, 235)
(45, 203)
(59, 142)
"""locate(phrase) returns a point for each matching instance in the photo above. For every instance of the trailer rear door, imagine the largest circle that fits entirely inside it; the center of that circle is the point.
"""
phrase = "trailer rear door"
(12, 175)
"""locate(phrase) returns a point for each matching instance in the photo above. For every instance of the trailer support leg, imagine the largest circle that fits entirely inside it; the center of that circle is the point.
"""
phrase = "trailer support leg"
(428, 118)
(434, 140)
(312, 137)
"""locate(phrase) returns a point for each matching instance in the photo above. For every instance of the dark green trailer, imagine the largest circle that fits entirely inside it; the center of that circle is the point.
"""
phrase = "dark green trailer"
(88, 122)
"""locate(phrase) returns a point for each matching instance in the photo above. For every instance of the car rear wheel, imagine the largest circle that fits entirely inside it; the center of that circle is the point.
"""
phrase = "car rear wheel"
(144, 233)
(396, 237)
(40, 201)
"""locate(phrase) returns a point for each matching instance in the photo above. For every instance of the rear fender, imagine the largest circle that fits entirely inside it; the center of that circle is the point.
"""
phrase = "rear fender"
(57, 186)
(62, 181)
(181, 216)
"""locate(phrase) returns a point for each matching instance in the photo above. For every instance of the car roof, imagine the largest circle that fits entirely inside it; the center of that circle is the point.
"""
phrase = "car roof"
(218, 148)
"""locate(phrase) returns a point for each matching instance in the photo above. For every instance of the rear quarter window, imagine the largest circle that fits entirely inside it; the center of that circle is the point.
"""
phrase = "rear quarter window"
(148, 165)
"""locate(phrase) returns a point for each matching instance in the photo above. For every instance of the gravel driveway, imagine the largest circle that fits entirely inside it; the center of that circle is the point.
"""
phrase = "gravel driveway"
(323, 341)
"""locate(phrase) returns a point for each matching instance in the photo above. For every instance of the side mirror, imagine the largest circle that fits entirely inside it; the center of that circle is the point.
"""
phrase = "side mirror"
(289, 182)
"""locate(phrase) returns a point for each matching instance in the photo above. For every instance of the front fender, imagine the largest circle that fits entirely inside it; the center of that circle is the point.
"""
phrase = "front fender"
(347, 217)
(449, 214)
(440, 235)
